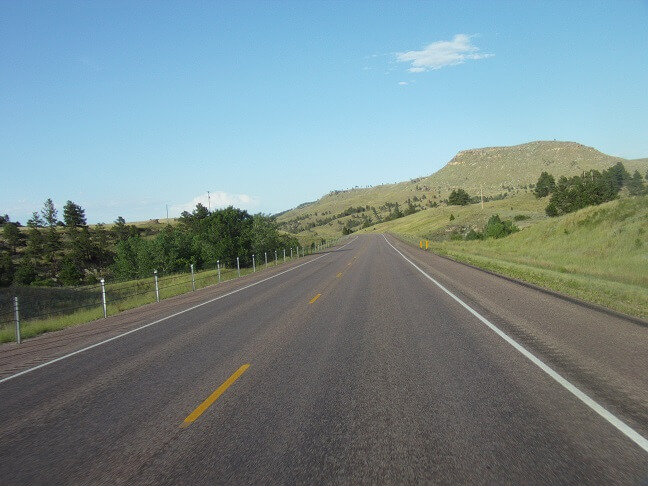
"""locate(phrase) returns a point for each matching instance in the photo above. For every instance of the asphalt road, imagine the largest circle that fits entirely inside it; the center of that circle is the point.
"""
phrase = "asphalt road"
(361, 370)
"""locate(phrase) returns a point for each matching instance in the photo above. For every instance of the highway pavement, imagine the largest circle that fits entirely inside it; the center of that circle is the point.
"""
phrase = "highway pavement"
(372, 363)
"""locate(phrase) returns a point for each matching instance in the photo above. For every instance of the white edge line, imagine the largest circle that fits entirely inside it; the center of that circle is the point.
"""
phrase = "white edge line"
(61, 358)
(628, 431)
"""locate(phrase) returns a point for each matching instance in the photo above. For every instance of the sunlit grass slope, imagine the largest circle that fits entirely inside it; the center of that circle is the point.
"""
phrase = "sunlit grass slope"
(599, 254)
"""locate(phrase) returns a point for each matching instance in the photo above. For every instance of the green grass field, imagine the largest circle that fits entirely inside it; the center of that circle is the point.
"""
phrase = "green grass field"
(598, 254)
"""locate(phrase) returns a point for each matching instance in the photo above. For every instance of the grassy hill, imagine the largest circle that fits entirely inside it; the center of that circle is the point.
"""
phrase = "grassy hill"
(503, 172)
(598, 254)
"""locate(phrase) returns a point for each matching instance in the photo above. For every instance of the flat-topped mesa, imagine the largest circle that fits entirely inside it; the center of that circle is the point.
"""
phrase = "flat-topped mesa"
(530, 149)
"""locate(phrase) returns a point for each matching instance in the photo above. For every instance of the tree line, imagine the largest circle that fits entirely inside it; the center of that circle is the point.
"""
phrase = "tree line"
(51, 252)
(591, 188)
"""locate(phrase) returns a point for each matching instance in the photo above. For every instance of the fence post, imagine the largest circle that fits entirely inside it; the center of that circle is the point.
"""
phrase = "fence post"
(157, 288)
(17, 317)
(193, 279)
(253, 264)
(238, 267)
(218, 265)
(266, 259)
(103, 297)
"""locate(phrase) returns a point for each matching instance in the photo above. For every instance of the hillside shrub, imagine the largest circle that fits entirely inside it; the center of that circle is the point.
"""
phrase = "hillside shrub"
(459, 197)
(496, 228)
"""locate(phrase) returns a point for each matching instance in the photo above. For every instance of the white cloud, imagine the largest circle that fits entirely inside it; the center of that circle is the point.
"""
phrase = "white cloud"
(441, 54)
(403, 83)
(217, 199)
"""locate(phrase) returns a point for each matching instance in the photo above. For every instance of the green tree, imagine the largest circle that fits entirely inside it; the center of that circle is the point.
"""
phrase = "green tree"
(496, 228)
(619, 175)
(459, 197)
(545, 185)
(7, 269)
(635, 184)
(74, 215)
(35, 243)
(49, 213)
(120, 229)
(35, 221)
(26, 272)
(70, 274)
(12, 236)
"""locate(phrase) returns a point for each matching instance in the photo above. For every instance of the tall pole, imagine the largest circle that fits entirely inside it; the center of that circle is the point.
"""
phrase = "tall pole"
(482, 195)
(209, 201)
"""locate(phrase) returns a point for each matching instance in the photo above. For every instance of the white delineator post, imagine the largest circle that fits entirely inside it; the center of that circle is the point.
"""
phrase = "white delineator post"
(157, 288)
(103, 297)
(218, 265)
(193, 279)
(238, 266)
(266, 259)
(17, 318)
(284, 255)
(275, 258)
(253, 264)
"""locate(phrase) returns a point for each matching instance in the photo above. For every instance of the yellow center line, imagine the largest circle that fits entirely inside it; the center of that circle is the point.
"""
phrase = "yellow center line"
(214, 396)
(339, 275)
(315, 298)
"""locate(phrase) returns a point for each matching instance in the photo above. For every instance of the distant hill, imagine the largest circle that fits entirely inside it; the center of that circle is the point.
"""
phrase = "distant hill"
(520, 165)
(500, 171)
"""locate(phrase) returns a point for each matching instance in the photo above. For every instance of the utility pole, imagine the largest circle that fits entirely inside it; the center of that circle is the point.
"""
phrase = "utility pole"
(167, 206)
(209, 201)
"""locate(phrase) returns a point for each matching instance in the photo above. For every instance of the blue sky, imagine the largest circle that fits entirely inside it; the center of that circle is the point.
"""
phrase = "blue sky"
(127, 107)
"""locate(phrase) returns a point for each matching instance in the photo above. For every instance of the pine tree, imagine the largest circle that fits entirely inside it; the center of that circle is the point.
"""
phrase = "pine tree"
(74, 215)
(49, 213)
(459, 197)
(545, 185)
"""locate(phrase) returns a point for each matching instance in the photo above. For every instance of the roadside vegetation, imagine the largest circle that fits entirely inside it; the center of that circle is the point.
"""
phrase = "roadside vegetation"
(54, 267)
(598, 254)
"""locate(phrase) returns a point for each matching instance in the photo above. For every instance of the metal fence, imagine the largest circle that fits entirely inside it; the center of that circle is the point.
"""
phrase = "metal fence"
(27, 306)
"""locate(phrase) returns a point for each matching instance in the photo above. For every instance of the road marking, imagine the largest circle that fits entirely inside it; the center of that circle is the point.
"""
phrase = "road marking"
(338, 275)
(621, 426)
(315, 298)
(106, 341)
(191, 418)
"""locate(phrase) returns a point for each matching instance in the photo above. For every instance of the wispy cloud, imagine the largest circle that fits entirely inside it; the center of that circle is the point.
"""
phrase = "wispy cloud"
(403, 83)
(217, 199)
(441, 54)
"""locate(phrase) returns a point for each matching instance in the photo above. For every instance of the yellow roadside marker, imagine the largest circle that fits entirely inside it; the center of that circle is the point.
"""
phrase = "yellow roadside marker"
(213, 397)
(339, 275)
(315, 298)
